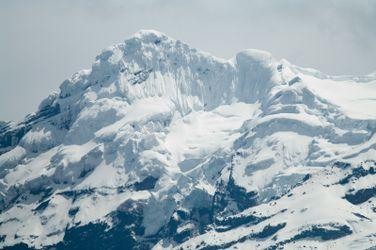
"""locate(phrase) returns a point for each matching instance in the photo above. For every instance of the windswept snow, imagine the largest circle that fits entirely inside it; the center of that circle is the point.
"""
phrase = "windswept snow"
(356, 99)
(202, 133)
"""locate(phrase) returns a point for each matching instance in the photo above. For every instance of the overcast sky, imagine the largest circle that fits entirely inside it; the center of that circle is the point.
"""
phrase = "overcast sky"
(44, 42)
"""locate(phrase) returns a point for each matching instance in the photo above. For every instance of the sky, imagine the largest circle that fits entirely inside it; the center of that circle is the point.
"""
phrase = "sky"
(43, 42)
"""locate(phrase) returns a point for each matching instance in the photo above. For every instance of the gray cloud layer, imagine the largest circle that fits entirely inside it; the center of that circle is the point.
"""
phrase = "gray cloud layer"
(44, 42)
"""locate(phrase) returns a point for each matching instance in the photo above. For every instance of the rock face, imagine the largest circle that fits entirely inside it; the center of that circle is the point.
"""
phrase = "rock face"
(159, 145)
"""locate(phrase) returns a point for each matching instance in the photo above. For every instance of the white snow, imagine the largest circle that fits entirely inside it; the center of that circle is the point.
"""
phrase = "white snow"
(356, 99)
(202, 133)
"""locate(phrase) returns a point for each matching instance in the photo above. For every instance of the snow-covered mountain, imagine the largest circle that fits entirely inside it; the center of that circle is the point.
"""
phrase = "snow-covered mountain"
(162, 146)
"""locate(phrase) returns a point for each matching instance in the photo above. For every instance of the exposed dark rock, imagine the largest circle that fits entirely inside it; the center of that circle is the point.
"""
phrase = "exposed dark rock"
(341, 165)
(20, 246)
(267, 231)
(231, 222)
(126, 221)
(75, 194)
(42, 206)
(357, 173)
(231, 198)
(73, 211)
(317, 232)
(140, 76)
(361, 216)
(11, 135)
(146, 184)
(336, 232)
(361, 195)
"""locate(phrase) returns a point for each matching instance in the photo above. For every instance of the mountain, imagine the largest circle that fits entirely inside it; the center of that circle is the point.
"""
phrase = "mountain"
(162, 146)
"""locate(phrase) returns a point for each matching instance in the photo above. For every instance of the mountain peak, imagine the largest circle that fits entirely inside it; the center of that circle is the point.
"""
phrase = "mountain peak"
(150, 34)
(161, 145)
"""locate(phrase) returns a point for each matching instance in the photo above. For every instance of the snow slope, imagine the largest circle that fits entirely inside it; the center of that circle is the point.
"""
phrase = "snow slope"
(160, 145)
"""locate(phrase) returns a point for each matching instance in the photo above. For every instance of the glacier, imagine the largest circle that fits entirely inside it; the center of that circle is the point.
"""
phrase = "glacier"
(162, 146)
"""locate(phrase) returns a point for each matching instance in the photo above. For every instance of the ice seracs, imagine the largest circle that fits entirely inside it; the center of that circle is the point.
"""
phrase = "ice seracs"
(160, 145)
